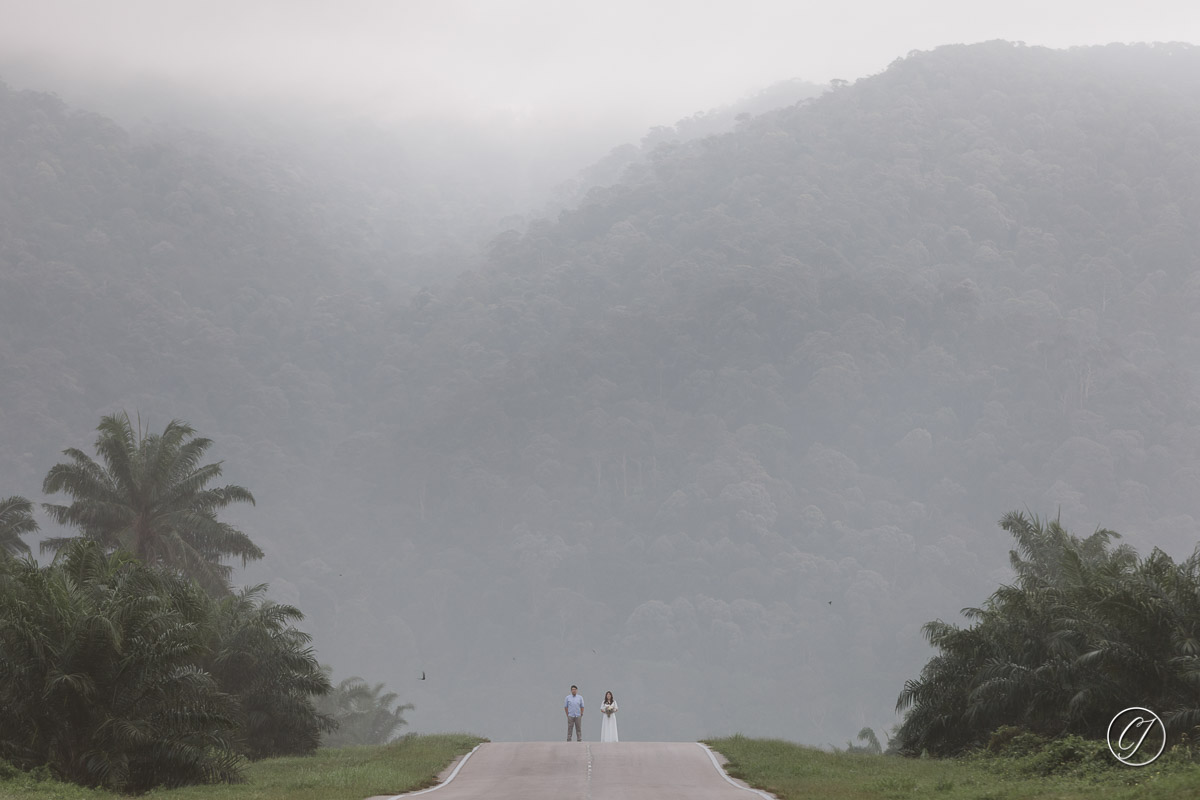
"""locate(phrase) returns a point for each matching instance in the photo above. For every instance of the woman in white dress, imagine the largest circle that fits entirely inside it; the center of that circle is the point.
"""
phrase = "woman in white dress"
(608, 725)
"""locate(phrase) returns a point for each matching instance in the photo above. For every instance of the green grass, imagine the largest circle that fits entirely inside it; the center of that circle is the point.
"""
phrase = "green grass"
(787, 770)
(792, 772)
(348, 773)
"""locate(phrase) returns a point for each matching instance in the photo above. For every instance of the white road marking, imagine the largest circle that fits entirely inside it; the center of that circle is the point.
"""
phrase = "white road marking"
(449, 778)
(721, 770)
(712, 757)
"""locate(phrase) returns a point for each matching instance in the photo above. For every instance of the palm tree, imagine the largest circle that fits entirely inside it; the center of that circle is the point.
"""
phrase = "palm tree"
(871, 746)
(364, 713)
(16, 518)
(150, 497)
(1085, 628)
(99, 676)
(259, 658)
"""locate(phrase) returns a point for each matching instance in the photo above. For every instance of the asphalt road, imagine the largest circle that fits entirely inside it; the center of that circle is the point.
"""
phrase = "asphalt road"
(589, 771)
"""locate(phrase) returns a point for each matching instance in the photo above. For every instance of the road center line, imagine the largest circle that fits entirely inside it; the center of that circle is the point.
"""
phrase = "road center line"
(589, 772)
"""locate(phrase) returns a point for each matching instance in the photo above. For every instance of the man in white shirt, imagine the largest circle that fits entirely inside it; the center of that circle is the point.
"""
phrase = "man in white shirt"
(574, 708)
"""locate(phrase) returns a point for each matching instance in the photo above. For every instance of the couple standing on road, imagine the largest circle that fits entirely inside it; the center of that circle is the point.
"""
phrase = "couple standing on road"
(574, 708)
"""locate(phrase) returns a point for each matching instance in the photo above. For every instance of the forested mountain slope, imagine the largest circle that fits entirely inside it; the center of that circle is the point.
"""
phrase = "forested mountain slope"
(815, 363)
(168, 278)
(611, 169)
(720, 439)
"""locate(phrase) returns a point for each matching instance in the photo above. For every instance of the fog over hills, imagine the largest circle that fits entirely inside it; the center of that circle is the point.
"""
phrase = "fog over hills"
(720, 435)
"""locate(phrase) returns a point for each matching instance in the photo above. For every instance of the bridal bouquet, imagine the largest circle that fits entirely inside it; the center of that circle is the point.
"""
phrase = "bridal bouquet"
(609, 708)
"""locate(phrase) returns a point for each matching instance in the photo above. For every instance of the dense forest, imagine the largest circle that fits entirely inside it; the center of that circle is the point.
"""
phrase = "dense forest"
(721, 436)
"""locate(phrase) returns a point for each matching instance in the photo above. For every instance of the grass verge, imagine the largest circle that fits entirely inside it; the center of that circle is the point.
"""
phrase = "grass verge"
(792, 772)
(347, 773)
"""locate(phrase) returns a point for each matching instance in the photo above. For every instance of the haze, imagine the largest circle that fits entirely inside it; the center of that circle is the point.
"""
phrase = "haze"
(613, 344)
(538, 62)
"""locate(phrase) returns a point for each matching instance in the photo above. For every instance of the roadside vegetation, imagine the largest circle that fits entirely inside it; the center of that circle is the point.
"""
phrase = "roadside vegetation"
(364, 714)
(1017, 705)
(1087, 628)
(129, 663)
(1026, 768)
(348, 773)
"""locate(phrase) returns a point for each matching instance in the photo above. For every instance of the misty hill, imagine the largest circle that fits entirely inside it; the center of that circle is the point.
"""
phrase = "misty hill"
(815, 362)
(703, 124)
(415, 197)
(740, 423)
(174, 280)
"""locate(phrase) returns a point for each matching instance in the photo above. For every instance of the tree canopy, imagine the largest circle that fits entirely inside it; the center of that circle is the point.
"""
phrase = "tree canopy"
(100, 675)
(118, 674)
(1086, 630)
(151, 498)
(268, 665)
(365, 713)
(16, 519)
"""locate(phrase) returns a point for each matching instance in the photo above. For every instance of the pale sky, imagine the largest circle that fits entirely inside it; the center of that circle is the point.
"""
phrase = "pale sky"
(652, 61)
